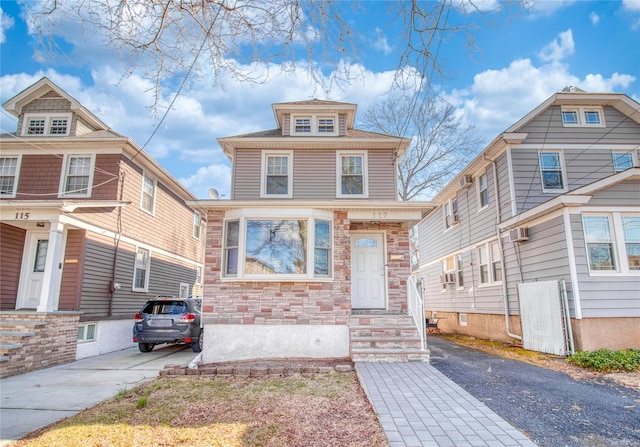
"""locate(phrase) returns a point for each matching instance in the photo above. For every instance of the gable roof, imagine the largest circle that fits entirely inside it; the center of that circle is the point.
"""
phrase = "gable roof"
(43, 87)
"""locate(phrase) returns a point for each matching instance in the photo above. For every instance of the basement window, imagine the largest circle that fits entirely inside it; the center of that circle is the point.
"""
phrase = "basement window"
(87, 332)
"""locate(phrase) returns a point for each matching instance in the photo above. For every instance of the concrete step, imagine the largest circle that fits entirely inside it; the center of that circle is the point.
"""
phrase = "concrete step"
(390, 355)
(4, 334)
(381, 320)
(20, 324)
(411, 342)
(383, 331)
(6, 348)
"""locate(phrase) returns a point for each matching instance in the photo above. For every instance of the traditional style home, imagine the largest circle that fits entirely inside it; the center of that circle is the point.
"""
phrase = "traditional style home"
(310, 256)
(91, 227)
(538, 238)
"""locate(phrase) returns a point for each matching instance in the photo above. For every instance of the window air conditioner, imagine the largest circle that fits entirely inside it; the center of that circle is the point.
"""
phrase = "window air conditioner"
(466, 181)
(519, 234)
(447, 278)
(452, 220)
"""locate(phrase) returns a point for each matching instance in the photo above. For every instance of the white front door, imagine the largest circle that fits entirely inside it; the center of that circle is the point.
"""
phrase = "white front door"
(368, 285)
(32, 273)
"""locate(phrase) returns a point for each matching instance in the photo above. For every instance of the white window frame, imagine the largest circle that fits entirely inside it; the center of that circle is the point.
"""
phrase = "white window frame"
(314, 125)
(451, 213)
(481, 191)
(581, 116)
(199, 275)
(264, 175)
(48, 119)
(242, 216)
(459, 271)
(145, 175)
(197, 225)
(16, 174)
(147, 269)
(84, 328)
(184, 290)
(618, 244)
(365, 174)
(563, 171)
(66, 160)
(491, 251)
(623, 152)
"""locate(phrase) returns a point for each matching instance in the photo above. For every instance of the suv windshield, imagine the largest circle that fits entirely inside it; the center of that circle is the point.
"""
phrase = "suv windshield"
(165, 308)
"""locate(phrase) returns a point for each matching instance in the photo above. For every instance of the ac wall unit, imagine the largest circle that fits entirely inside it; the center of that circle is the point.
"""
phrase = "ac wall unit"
(452, 220)
(519, 234)
(466, 181)
(447, 278)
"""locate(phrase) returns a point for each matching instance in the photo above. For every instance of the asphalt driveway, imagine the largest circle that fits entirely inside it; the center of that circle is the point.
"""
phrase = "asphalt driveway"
(553, 409)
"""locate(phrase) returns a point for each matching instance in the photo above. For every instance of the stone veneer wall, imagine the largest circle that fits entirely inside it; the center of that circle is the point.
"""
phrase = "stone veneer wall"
(317, 302)
(53, 343)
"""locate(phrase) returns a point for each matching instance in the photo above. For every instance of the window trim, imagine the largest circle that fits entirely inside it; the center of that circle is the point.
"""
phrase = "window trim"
(486, 248)
(310, 216)
(263, 174)
(48, 118)
(481, 191)
(563, 173)
(314, 124)
(16, 176)
(145, 175)
(365, 174)
(630, 152)
(199, 275)
(197, 225)
(147, 269)
(618, 244)
(65, 172)
(581, 114)
(85, 327)
(451, 213)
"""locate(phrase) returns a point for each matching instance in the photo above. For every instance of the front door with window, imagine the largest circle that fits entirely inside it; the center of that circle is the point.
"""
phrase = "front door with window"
(34, 258)
(368, 285)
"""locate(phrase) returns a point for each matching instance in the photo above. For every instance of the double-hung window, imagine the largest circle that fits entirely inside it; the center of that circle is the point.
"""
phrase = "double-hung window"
(451, 212)
(277, 179)
(196, 225)
(612, 242)
(148, 194)
(141, 268)
(622, 160)
(352, 178)
(77, 178)
(268, 248)
(9, 169)
(483, 190)
(490, 262)
(460, 270)
(551, 171)
(45, 125)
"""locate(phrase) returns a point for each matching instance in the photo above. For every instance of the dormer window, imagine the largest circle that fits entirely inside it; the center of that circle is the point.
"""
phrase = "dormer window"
(314, 125)
(45, 125)
(582, 117)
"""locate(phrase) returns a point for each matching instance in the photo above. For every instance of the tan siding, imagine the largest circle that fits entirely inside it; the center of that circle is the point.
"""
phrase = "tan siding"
(105, 177)
(11, 247)
(247, 174)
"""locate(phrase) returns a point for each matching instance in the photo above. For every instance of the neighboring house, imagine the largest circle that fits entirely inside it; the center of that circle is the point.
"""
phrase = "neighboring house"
(91, 228)
(310, 256)
(551, 206)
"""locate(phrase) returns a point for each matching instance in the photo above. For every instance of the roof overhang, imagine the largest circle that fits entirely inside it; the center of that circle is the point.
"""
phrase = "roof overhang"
(65, 206)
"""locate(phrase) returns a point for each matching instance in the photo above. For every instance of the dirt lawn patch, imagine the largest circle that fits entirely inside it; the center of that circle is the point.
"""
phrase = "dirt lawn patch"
(328, 409)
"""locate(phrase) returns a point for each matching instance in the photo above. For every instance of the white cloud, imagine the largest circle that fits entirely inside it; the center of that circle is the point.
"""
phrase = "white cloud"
(595, 18)
(559, 48)
(6, 22)
(381, 43)
(631, 5)
(546, 7)
(216, 176)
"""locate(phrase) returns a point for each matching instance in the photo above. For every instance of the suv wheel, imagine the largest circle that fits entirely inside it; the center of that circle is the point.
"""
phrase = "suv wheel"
(145, 347)
(197, 345)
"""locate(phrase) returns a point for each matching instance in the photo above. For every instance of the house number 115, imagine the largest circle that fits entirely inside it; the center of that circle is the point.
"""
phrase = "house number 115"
(22, 216)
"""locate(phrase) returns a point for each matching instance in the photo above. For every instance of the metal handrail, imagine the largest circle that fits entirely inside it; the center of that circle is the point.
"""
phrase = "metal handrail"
(416, 309)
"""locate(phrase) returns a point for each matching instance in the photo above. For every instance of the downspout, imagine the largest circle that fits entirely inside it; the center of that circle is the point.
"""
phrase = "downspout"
(500, 247)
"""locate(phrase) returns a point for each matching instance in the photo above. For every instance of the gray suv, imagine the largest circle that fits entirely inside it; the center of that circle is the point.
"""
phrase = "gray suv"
(167, 319)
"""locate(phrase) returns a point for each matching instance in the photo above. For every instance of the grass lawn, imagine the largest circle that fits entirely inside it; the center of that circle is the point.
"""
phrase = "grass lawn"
(328, 409)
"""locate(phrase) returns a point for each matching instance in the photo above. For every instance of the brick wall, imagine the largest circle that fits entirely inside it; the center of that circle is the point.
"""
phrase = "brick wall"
(299, 302)
(53, 343)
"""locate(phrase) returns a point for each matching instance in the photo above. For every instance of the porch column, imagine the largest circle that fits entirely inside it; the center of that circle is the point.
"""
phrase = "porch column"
(52, 269)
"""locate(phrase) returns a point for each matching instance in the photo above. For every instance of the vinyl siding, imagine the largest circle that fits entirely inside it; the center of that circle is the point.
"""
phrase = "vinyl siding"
(547, 128)
(72, 271)
(314, 174)
(97, 272)
(11, 247)
(622, 194)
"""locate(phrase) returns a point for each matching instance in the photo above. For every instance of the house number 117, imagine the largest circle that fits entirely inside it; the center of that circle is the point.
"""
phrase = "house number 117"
(22, 216)
(379, 215)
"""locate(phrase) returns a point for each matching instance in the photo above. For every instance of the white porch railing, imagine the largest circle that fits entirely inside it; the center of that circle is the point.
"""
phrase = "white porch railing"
(416, 309)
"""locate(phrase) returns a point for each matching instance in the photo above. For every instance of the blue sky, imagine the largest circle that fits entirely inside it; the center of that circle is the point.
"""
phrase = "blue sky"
(517, 64)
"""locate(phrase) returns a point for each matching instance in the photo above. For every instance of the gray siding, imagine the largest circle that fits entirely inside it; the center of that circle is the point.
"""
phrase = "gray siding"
(314, 174)
(622, 194)
(547, 128)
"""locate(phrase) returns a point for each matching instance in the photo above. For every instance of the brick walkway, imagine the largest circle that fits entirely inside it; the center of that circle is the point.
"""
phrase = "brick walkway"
(417, 405)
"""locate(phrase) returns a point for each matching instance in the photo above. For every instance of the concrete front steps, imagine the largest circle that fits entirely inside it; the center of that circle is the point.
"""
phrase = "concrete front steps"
(385, 338)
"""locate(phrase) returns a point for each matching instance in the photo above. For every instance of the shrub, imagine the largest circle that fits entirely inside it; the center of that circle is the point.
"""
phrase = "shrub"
(605, 360)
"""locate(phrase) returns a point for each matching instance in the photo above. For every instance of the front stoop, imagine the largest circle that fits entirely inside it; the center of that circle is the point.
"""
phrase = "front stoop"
(385, 338)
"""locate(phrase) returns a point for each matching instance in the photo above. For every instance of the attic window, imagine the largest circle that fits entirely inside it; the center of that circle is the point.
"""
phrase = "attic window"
(582, 117)
(37, 124)
(314, 125)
